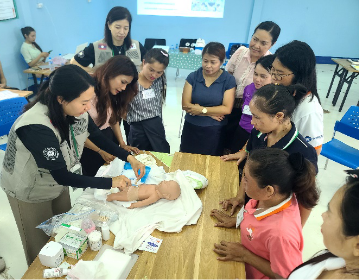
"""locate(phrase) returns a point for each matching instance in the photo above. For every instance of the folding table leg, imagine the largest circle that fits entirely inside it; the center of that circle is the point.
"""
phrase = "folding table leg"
(349, 81)
(332, 80)
(339, 87)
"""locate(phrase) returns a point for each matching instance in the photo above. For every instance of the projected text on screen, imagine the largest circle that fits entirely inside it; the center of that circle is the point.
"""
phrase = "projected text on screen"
(184, 8)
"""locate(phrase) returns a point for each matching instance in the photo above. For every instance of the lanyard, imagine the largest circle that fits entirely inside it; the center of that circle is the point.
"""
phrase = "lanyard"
(74, 141)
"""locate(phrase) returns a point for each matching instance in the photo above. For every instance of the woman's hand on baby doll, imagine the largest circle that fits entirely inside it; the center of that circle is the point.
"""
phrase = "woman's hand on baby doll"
(121, 182)
(224, 220)
(137, 166)
(231, 251)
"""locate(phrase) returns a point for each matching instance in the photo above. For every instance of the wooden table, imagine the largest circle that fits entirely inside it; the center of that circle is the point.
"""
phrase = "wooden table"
(188, 254)
(344, 76)
(21, 93)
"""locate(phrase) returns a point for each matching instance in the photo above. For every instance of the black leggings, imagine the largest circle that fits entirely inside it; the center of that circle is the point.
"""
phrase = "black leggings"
(90, 160)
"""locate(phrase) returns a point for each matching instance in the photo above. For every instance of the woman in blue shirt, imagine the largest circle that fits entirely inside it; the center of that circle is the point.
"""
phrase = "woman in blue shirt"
(208, 96)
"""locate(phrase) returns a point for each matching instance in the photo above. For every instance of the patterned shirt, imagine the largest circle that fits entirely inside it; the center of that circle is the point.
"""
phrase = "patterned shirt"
(242, 68)
(147, 103)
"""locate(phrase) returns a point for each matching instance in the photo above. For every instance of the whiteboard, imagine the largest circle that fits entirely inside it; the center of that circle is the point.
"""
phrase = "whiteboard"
(7, 9)
(184, 8)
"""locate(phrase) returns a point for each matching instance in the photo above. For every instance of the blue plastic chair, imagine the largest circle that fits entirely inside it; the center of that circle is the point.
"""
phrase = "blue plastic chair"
(339, 151)
(37, 81)
(10, 110)
(228, 54)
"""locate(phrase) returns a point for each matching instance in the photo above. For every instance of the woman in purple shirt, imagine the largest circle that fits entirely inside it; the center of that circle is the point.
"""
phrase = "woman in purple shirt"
(261, 78)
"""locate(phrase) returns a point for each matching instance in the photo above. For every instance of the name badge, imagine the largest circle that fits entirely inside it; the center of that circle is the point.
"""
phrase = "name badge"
(240, 217)
(133, 47)
(246, 110)
(148, 93)
(76, 169)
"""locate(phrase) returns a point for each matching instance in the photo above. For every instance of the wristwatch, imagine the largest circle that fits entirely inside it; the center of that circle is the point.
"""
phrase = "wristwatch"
(204, 110)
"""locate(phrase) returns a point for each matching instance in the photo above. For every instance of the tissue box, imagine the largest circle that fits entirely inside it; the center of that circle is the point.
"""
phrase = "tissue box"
(73, 241)
(74, 245)
(51, 254)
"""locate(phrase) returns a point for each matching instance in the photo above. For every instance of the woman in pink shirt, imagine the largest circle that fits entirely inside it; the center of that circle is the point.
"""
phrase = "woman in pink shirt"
(270, 225)
(242, 64)
(116, 86)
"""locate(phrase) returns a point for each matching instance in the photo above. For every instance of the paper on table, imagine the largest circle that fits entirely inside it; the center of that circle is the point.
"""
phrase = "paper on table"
(115, 263)
(7, 94)
(46, 66)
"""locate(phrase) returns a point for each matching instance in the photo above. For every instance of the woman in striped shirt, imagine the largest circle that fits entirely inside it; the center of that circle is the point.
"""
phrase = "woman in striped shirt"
(147, 131)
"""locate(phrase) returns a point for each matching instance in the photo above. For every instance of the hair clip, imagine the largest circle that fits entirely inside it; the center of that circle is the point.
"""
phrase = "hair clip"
(352, 173)
(164, 53)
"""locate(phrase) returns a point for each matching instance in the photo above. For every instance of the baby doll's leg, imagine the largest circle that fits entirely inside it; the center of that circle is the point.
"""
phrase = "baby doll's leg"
(132, 193)
(120, 196)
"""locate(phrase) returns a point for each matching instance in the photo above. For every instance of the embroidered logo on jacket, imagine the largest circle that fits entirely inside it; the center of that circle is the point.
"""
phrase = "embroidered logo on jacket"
(50, 153)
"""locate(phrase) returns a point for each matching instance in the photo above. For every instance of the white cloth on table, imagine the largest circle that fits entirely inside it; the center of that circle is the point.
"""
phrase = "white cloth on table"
(135, 225)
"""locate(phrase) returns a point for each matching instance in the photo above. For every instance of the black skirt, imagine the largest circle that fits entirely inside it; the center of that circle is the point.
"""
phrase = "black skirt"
(202, 140)
(90, 160)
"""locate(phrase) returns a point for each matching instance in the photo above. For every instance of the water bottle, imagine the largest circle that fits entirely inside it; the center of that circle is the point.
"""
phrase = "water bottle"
(51, 65)
(172, 48)
(61, 60)
(177, 46)
(105, 230)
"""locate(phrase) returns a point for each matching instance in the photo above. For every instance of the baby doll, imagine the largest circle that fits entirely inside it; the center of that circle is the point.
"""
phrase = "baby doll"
(147, 194)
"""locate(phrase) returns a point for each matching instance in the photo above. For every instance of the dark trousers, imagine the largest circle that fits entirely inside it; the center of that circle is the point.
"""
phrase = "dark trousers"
(204, 140)
(230, 128)
(239, 140)
(149, 135)
(127, 130)
(29, 215)
(90, 160)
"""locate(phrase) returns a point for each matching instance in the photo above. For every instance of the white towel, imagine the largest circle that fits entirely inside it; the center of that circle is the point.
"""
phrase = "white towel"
(135, 225)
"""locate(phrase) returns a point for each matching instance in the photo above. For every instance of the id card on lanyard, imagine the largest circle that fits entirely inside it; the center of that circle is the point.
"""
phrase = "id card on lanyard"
(76, 168)
(240, 216)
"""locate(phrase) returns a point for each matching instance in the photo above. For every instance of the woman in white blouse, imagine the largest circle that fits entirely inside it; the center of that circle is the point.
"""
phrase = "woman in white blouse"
(30, 50)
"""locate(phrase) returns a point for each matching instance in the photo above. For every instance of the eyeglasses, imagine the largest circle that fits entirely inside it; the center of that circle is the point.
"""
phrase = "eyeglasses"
(277, 76)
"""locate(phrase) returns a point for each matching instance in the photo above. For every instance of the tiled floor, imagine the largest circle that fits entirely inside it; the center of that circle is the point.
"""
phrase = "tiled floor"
(328, 180)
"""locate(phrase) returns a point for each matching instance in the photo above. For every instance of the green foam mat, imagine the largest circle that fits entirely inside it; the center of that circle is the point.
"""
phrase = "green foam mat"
(164, 158)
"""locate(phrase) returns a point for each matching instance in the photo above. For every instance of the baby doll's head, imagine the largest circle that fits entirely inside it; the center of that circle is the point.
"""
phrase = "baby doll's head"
(169, 190)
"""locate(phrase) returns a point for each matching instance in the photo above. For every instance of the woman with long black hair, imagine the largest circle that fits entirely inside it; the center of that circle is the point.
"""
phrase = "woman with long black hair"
(116, 85)
(42, 158)
(30, 50)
